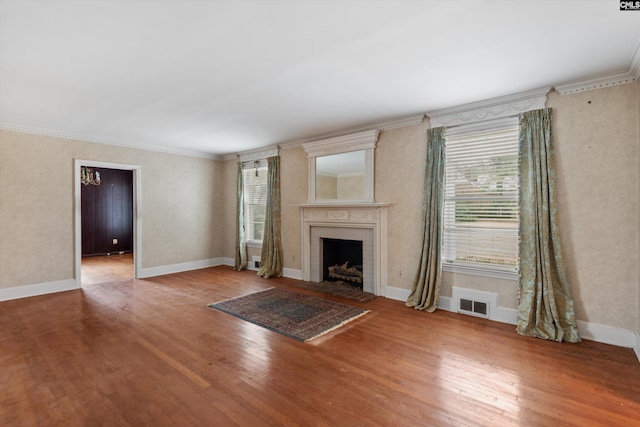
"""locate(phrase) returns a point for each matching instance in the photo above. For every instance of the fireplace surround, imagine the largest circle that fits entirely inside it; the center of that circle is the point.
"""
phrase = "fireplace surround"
(366, 222)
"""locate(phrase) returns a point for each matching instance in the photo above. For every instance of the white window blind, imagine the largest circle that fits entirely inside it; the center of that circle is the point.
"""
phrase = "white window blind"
(481, 198)
(254, 175)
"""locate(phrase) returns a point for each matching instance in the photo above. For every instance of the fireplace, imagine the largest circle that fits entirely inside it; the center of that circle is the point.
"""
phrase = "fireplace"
(342, 261)
(362, 223)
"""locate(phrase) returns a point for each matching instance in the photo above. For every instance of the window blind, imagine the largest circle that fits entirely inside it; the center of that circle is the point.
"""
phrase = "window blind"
(255, 199)
(481, 198)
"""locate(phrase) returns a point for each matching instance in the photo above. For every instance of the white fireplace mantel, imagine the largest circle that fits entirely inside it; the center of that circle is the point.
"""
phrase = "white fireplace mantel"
(348, 216)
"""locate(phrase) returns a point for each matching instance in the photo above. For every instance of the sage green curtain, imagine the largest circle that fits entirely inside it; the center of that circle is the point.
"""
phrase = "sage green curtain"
(241, 248)
(546, 306)
(271, 258)
(426, 284)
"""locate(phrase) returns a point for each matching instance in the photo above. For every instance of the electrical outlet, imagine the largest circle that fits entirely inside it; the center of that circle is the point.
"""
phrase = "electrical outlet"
(115, 241)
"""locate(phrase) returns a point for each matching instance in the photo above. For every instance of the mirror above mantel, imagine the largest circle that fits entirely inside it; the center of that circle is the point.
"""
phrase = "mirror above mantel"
(341, 169)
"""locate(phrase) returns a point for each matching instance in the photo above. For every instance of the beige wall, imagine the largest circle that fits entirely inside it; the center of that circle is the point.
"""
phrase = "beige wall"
(294, 184)
(180, 208)
(228, 202)
(598, 176)
(597, 140)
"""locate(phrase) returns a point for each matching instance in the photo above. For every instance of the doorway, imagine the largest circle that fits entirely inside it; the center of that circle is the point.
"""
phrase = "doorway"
(107, 250)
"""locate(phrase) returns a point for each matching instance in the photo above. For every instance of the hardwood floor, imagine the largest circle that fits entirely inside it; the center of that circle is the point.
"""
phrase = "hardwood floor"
(150, 352)
(107, 268)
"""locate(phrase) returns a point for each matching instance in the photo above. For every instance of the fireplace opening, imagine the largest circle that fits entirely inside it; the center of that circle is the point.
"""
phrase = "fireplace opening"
(342, 261)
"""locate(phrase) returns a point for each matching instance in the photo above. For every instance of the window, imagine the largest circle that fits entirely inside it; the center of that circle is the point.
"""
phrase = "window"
(254, 175)
(481, 199)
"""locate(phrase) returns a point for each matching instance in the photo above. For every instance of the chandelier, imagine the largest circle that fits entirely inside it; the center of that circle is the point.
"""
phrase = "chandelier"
(87, 176)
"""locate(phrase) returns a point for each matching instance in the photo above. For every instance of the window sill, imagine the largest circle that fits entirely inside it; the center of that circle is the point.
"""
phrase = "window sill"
(254, 244)
(504, 273)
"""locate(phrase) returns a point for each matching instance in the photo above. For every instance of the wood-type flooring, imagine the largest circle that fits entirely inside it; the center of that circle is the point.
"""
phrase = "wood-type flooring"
(125, 352)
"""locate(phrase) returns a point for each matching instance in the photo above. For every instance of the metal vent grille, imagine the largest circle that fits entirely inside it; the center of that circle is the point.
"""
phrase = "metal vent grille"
(476, 308)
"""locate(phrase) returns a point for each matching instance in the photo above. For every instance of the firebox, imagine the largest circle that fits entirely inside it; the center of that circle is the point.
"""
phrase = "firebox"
(342, 261)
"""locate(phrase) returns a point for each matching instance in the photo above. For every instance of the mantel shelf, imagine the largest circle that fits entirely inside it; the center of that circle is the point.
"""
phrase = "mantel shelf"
(343, 205)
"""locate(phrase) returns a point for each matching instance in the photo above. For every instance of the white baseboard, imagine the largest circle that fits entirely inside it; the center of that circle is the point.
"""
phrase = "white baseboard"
(292, 273)
(398, 294)
(498, 314)
(446, 304)
(178, 268)
(607, 334)
(38, 289)
(590, 331)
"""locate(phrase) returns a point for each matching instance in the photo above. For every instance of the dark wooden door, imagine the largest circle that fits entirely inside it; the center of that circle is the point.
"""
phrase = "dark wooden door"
(107, 213)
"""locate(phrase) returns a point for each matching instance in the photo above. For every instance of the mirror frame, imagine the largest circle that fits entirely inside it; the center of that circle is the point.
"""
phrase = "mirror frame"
(362, 141)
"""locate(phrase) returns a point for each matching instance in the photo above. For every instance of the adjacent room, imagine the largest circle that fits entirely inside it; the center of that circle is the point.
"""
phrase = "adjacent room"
(246, 213)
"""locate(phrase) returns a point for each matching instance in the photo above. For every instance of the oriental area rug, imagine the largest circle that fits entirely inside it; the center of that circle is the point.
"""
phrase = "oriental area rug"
(298, 316)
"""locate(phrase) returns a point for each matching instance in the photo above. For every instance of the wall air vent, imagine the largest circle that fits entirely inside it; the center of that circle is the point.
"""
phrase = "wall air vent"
(474, 308)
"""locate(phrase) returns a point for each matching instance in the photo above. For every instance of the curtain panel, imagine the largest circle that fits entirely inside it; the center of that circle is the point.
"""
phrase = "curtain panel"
(271, 257)
(426, 283)
(241, 248)
(546, 306)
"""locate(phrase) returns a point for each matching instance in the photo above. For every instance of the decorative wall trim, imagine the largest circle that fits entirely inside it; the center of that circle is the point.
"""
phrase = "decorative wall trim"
(634, 64)
(340, 144)
(365, 141)
(292, 273)
(137, 210)
(606, 334)
(609, 80)
(347, 216)
(446, 304)
(381, 125)
(597, 83)
(26, 291)
(232, 156)
(397, 294)
(259, 154)
(495, 108)
(590, 331)
(178, 268)
(107, 141)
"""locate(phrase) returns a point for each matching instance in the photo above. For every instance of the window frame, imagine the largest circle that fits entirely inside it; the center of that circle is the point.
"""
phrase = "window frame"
(261, 166)
(474, 268)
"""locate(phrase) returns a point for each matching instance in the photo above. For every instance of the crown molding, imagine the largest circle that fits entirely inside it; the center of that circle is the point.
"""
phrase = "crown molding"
(597, 83)
(634, 65)
(381, 125)
(340, 144)
(609, 80)
(232, 156)
(107, 141)
(490, 109)
(259, 153)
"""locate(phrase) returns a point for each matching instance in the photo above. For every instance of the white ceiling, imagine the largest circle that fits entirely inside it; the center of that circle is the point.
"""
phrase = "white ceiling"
(222, 77)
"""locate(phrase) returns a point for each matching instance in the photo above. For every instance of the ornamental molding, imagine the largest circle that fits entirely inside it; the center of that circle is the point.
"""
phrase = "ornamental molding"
(597, 83)
(259, 154)
(107, 141)
(489, 109)
(342, 144)
(381, 125)
(631, 75)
